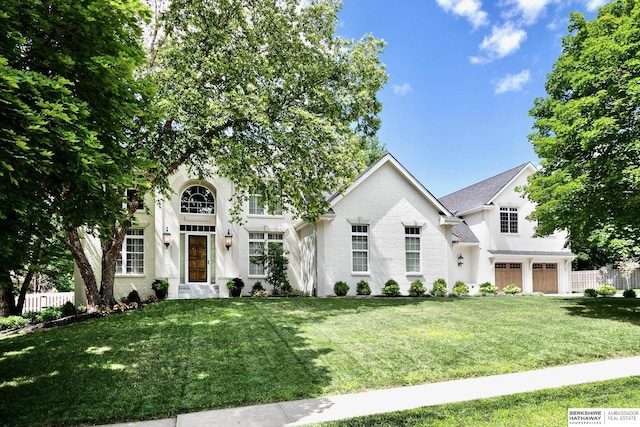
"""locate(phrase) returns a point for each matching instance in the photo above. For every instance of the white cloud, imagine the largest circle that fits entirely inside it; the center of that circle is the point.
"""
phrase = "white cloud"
(503, 41)
(512, 83)
(595, 4)
(401, 90)
(470, 9)
(530, 10)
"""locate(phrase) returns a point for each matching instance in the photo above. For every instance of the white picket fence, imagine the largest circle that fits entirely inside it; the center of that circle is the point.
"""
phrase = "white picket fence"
(36, 302)
(581, 280)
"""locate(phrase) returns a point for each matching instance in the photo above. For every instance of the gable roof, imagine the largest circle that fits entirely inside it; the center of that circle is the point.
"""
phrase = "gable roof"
(481, 193)
(389, 159)
(464, 234)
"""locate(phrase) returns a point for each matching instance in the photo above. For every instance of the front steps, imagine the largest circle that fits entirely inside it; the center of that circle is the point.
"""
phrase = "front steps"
(197, 291)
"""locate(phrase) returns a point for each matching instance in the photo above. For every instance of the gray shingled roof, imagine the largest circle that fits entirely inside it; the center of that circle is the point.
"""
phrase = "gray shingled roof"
(479, 194)
(464, 233)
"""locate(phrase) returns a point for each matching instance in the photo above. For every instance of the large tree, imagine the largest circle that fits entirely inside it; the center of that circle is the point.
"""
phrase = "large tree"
(587, 133)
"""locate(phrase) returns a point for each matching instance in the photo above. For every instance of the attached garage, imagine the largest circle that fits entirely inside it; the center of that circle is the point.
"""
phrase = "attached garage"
(545, 277)
(508, 273)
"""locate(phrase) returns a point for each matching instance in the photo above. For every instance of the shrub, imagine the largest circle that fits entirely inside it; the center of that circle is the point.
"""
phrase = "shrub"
(391, 288)
(292, 292)
(591, 293)
(460, 288)
(606, 290)
(32, 316)
(68, 309)
(362, 288)
(439, 288)
(417, 289)
(340, 288)
(629, 293)
(486, 288)
(134, 297)
(257, 287)
(511, 289)
(50, 313)
(13, 322)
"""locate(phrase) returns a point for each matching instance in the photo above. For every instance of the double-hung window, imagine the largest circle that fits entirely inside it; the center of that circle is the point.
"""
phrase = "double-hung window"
(257, 243)
(360, 248)
(509, 220)
(257, 208)
(131, 258)
(412, 249)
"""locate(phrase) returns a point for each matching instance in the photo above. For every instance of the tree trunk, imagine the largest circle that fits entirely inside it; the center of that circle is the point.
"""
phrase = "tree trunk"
(73, 242)
(110, 251)
(23, 290)
(7, 300)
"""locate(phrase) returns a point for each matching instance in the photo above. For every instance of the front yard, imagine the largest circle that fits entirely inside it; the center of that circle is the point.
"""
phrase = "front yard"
(183, 356)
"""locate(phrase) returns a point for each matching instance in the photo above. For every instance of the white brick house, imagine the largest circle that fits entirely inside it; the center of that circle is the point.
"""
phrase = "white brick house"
(386, 225)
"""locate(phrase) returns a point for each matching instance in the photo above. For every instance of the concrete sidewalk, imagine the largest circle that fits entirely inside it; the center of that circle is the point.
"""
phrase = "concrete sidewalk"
(330, 408)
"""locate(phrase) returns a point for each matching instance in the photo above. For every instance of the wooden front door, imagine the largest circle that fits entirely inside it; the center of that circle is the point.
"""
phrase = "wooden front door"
(508, 273)
(545, 278)
(198, 256)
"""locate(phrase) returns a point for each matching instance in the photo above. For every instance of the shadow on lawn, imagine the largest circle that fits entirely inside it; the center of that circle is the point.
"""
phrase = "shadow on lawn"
(620, 309)
(169, 358)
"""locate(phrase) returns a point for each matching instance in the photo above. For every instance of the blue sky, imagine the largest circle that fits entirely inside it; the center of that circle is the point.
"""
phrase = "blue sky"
(463, 75)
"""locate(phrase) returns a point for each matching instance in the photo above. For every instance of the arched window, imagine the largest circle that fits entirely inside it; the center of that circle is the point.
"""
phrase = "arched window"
(197, 199)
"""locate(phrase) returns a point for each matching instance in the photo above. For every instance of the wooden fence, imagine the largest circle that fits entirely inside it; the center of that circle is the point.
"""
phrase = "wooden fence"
(581, 280)
(36, 302)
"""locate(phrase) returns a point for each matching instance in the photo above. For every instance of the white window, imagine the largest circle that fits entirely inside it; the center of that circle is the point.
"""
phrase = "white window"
(508, 220)
(257, 208)
(197, 199)
(258, 241)
(131, 258)
(130, 195)
(412, 248)
(360, 248)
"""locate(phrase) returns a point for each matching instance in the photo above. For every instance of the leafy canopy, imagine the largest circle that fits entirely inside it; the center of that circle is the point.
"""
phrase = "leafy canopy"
(587, 133)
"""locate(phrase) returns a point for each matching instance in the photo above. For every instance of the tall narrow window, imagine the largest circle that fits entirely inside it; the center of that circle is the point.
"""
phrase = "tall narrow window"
(197, 199)
(360, 248)
(412, 248)
(131, 258)
(258, 241)
(508, 220)
(130, 195)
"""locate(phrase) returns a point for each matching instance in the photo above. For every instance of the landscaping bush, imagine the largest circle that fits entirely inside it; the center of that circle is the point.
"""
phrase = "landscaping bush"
(340, 289)
(439, 288)
(460, 288)
(590, 293)
(606, 291)
(257, 287)
(13, 322)
(511, 289)
(417, 289)
(31, 316)
(134, 297)
(362, 288)
(629, 293)
(488, 289)
(391, 288)
(50, 313)
(68, 309)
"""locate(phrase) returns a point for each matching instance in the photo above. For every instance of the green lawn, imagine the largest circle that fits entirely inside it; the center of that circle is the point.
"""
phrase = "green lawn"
(546, 408)
(183, 356)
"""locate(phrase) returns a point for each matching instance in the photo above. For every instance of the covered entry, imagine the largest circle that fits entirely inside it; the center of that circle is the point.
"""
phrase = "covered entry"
(508, 273)
(545, 277)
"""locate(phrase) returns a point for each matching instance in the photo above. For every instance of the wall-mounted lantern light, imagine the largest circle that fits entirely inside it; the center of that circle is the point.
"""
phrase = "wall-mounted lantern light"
(227, 239)
(460, 260)
(166, 238)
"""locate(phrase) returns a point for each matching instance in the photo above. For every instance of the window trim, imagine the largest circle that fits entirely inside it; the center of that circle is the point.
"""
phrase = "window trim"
(267, 237)
(417, 235)
(122, 261)
(209, 204)
(355, 232)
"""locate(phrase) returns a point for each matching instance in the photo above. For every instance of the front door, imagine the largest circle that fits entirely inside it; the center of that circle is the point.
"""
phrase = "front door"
(198, 259)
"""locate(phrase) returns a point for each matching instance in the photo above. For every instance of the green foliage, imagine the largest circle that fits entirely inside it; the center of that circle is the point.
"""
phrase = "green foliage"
(13, 322)
(586, 132)
(417, 288)
(68, 309)
(590, 293)
(160, 284)
(391, 288)
(134, 297)
(460, 288)
(257, 287)
(274, 258)
(340, 288)
(511, 289)
(50, 313)
(487, 288)
(439, 288)
(606, 290)
(362, 288)
(629, 293)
